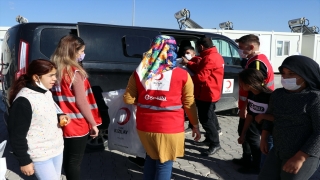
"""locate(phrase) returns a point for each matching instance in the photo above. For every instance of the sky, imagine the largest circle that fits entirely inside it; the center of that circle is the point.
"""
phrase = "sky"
(255, 15)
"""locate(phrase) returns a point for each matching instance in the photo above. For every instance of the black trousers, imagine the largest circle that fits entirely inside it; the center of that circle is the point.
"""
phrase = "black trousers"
(72, 156)
(209, 121)
(251, 146)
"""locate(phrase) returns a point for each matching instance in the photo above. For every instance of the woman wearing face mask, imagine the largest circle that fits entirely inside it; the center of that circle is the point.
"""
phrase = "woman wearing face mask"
(295, 111)
(34, 132)
(74, 95)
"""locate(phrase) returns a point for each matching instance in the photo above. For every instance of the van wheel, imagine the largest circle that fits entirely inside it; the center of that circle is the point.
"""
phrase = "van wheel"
(100, 142)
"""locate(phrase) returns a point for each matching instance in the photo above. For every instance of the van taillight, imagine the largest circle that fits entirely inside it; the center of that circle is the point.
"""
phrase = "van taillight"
(22, 58)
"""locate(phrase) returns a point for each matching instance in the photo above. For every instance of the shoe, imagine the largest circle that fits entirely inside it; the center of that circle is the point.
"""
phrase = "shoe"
(202, 143)
(220, 132)
(211, 150)
(188, 131)
(138, 161)
(248, 170)
(241, 162)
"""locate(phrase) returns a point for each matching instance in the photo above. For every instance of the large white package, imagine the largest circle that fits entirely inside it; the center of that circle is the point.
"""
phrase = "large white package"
(122, 132)
(3, 164)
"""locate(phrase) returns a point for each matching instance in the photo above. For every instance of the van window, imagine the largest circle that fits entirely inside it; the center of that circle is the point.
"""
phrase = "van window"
(135, 46)
(228, 51)
(50, 38)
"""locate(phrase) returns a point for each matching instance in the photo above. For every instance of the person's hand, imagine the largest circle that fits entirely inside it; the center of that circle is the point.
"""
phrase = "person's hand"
(259, 118)
(264, 146)
(184, 61)
(64, 120)
(196, 133)
(27, 170)
(241, 139)
(293, 165)
(94, 132)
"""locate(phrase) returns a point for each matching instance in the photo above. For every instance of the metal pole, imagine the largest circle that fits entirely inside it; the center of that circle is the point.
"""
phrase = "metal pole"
(133, 12)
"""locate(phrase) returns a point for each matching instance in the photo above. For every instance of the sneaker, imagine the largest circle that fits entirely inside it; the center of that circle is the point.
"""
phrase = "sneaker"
(188, 131)
(138, 161)
(220, 132)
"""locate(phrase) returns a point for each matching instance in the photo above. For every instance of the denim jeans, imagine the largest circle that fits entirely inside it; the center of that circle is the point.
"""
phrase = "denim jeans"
(272, 167)
(49, 169)
(154, 170)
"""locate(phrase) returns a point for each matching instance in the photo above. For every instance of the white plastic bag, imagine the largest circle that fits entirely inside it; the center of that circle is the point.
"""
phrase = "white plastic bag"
(3, 164)
(122, 132)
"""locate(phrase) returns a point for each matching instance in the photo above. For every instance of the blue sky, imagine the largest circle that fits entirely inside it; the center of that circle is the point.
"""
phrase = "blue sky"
(262, 15)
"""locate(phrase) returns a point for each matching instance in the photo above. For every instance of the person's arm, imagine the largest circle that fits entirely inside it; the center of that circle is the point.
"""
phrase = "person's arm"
(81, 99)
(264, 142)
(19, 120)
(194, 63)
(188, 101)
(205, 68)
(247, 123)
(189, 106)
(131, 94)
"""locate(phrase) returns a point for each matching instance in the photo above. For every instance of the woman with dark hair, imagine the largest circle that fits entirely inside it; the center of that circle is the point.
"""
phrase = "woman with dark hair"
(34, 132)
(253, 81)
(162, 93)
(295, 112)
(74, 95)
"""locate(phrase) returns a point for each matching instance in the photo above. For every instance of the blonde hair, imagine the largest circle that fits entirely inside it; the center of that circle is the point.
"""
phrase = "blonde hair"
(65, 57)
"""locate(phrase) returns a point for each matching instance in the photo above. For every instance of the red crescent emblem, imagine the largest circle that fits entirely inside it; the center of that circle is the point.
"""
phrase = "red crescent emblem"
(127, 117)
(161, 77)
(229, 84)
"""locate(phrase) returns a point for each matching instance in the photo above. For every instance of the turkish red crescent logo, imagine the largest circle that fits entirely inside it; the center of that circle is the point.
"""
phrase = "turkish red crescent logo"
(161, 77)
(229, 86)
(128, 115)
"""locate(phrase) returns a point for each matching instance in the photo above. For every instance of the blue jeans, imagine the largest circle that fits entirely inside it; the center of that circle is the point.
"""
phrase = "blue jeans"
(49, 169)
(270, 146)
(154, 170)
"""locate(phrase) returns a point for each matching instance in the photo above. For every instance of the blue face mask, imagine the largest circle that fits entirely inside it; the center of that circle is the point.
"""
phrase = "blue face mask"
(81, 57)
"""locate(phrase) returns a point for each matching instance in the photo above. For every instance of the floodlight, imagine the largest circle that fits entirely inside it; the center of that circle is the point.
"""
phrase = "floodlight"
(226, 25)
(184, 13)
(298, 22)
(21, 19)
(314, 29)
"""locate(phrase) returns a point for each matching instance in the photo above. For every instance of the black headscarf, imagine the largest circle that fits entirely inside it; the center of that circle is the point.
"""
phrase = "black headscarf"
(305, 67)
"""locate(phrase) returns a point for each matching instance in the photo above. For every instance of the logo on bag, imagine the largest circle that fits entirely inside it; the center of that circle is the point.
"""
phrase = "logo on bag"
(128, 115)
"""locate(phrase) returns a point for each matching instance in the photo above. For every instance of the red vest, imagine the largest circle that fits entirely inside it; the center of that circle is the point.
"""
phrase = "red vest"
(269, 81)
(160, 108)
(65, 98)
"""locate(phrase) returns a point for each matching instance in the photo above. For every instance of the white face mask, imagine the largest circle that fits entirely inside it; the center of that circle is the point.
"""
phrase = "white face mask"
(241, 54)
(40, 85)
(188, 56)
(290, 83)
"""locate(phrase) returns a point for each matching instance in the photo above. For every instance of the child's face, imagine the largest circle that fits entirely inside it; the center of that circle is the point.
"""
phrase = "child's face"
(48, 80)
(191, 52)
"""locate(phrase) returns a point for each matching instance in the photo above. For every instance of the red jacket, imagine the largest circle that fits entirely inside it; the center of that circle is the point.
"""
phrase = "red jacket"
(160, 108)
(208, 76)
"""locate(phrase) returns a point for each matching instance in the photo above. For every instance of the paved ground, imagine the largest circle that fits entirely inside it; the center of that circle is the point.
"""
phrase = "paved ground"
(114, 165)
